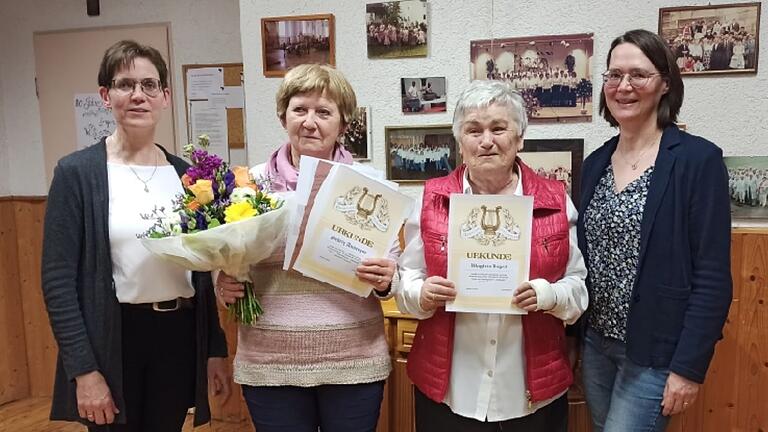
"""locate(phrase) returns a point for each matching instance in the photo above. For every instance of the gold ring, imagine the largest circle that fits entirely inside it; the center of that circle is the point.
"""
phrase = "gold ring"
(379, 279)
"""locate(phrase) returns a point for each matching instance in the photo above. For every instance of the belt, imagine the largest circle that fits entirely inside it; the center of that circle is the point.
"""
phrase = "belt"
(166, 306)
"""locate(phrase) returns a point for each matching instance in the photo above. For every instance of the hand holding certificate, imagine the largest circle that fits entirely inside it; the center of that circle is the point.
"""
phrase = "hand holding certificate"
(342, 217)
(489, 245)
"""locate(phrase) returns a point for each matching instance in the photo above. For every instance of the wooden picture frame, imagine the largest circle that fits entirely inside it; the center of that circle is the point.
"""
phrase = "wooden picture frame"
(357, 137)
(548, 157)
(289, 41)
(713, 39)
(418, 153)
(553, 73)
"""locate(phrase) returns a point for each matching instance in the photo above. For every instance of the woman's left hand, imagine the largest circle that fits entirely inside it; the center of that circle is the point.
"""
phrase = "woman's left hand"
(377, 271)
(679, 394)
(525, 297)
(219, 378)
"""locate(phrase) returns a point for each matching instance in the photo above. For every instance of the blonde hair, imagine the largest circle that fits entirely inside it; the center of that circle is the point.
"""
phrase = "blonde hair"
(317, 78)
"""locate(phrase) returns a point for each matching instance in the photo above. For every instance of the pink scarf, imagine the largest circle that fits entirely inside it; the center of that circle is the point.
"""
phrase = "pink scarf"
(284, 175)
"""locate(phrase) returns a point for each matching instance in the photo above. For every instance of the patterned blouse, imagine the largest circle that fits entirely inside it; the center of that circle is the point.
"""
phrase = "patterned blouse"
(612, 223)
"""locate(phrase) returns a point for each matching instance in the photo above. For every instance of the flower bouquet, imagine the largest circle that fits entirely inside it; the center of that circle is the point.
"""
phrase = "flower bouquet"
(224, 220)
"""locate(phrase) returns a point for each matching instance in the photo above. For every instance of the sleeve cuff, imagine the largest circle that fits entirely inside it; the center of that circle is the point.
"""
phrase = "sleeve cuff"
(545, 295)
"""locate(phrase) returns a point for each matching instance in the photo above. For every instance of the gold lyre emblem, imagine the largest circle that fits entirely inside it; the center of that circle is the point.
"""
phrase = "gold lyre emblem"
(490, 228)
(363, 212)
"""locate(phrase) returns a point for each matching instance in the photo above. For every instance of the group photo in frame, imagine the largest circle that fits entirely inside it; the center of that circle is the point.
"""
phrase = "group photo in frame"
(423, 95)
(552, 73)
(713, 39)
(556, 159)
(357, 138)
(397, 29)
(289, 41)
(419, 153)
(748, 186)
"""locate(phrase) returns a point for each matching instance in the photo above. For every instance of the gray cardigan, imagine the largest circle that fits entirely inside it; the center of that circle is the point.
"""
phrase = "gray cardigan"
(79, 291)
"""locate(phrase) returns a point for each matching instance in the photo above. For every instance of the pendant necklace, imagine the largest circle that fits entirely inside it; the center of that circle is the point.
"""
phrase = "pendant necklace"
(146, 188)
(639, 158)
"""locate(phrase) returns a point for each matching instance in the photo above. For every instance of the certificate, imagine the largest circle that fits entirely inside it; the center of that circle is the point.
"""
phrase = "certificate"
(489, 251)
(348, 216)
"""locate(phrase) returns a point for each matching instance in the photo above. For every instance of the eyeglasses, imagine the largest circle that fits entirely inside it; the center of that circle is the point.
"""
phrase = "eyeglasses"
(150, 86)
(637, 79)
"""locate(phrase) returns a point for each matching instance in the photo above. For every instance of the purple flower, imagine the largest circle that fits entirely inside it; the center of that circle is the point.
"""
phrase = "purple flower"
(229, 181)
(200, 222)
(204, 165)
(184, 222)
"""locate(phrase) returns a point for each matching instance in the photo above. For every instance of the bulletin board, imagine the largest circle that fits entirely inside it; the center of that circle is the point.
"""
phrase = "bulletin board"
(235, 116)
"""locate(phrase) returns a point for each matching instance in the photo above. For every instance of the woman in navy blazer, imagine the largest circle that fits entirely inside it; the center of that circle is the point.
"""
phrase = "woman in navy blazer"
(654, 227)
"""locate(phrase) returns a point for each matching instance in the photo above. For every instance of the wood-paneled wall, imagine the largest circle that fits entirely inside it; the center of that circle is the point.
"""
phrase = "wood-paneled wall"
(27, 347)
(732, 399)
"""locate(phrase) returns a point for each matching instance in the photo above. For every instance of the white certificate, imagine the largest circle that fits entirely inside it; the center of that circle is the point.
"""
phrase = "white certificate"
(346, 216)
(489, 245)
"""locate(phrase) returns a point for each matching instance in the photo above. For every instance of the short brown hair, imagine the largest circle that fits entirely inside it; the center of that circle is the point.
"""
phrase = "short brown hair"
(658, 52)
(312, 78)
(121, 55)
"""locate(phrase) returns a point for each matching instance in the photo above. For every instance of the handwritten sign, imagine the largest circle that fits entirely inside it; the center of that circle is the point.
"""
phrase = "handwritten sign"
(93, 120)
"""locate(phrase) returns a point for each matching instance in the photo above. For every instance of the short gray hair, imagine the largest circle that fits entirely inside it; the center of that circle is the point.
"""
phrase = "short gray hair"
(482, 94)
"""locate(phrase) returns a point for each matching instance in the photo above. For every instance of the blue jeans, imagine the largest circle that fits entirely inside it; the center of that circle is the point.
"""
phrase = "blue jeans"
(622, 396)
(332, 408)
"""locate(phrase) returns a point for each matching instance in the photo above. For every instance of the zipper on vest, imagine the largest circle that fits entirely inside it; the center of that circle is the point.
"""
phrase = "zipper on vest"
(528, 397)
(442, 243)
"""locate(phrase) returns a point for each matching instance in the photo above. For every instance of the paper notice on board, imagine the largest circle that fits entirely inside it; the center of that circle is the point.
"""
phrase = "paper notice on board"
(228, 97)
(92, 119)
(202, 82)
(211, 120)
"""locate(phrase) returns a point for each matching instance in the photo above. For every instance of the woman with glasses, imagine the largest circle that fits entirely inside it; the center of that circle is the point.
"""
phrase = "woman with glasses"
(490, 372)
(654, 226)
(139, 338)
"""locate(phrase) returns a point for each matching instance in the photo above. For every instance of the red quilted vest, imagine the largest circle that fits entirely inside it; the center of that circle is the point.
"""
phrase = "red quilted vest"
(548, 372)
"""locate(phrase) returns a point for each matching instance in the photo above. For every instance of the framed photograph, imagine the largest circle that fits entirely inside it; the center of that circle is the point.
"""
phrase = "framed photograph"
(748, 186)
(423, 95)
(293, 40)
(419, 153)
(714, 39)
(396, 29)
(558, 159)
(357, 138)
(553, 73)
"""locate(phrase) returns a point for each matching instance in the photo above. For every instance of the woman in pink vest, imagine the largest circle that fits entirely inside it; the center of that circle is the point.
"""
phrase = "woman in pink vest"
(490, 372)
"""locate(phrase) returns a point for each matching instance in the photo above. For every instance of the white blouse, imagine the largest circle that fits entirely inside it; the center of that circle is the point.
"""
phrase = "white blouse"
(139, 276)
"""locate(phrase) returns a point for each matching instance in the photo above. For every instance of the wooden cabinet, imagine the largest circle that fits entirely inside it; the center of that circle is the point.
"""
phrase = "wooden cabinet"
(397, 410)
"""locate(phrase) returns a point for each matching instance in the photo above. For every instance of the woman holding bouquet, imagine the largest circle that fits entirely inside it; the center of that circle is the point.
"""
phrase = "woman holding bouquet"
(139, 338)
(318, 356)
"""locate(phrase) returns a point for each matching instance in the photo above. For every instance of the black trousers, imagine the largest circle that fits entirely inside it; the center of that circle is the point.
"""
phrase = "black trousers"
(438, 417)
(158, 370)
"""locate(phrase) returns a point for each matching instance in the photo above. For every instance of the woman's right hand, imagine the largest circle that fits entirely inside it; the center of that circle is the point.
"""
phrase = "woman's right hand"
(228, 289)
(435, 291)
(94, 400)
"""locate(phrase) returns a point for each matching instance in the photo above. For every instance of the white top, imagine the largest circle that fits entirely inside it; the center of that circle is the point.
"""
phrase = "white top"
(139, 276)
(487, 374)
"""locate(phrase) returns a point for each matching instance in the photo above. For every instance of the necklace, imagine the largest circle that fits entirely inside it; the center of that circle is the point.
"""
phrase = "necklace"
(639, 158)
(146, 188)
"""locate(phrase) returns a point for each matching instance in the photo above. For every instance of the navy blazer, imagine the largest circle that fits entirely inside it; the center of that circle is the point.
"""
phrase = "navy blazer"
(683, 287)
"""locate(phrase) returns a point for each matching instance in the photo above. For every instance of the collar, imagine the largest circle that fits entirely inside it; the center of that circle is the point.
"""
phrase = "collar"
(467, 188)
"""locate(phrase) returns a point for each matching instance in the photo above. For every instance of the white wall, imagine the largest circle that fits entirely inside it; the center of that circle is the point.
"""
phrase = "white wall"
(4, 158)
(202, 31)
(730, 110)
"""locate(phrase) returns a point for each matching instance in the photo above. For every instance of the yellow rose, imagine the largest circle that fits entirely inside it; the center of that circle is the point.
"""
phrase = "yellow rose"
(239, 211)
(203, 191)
(242, 177)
